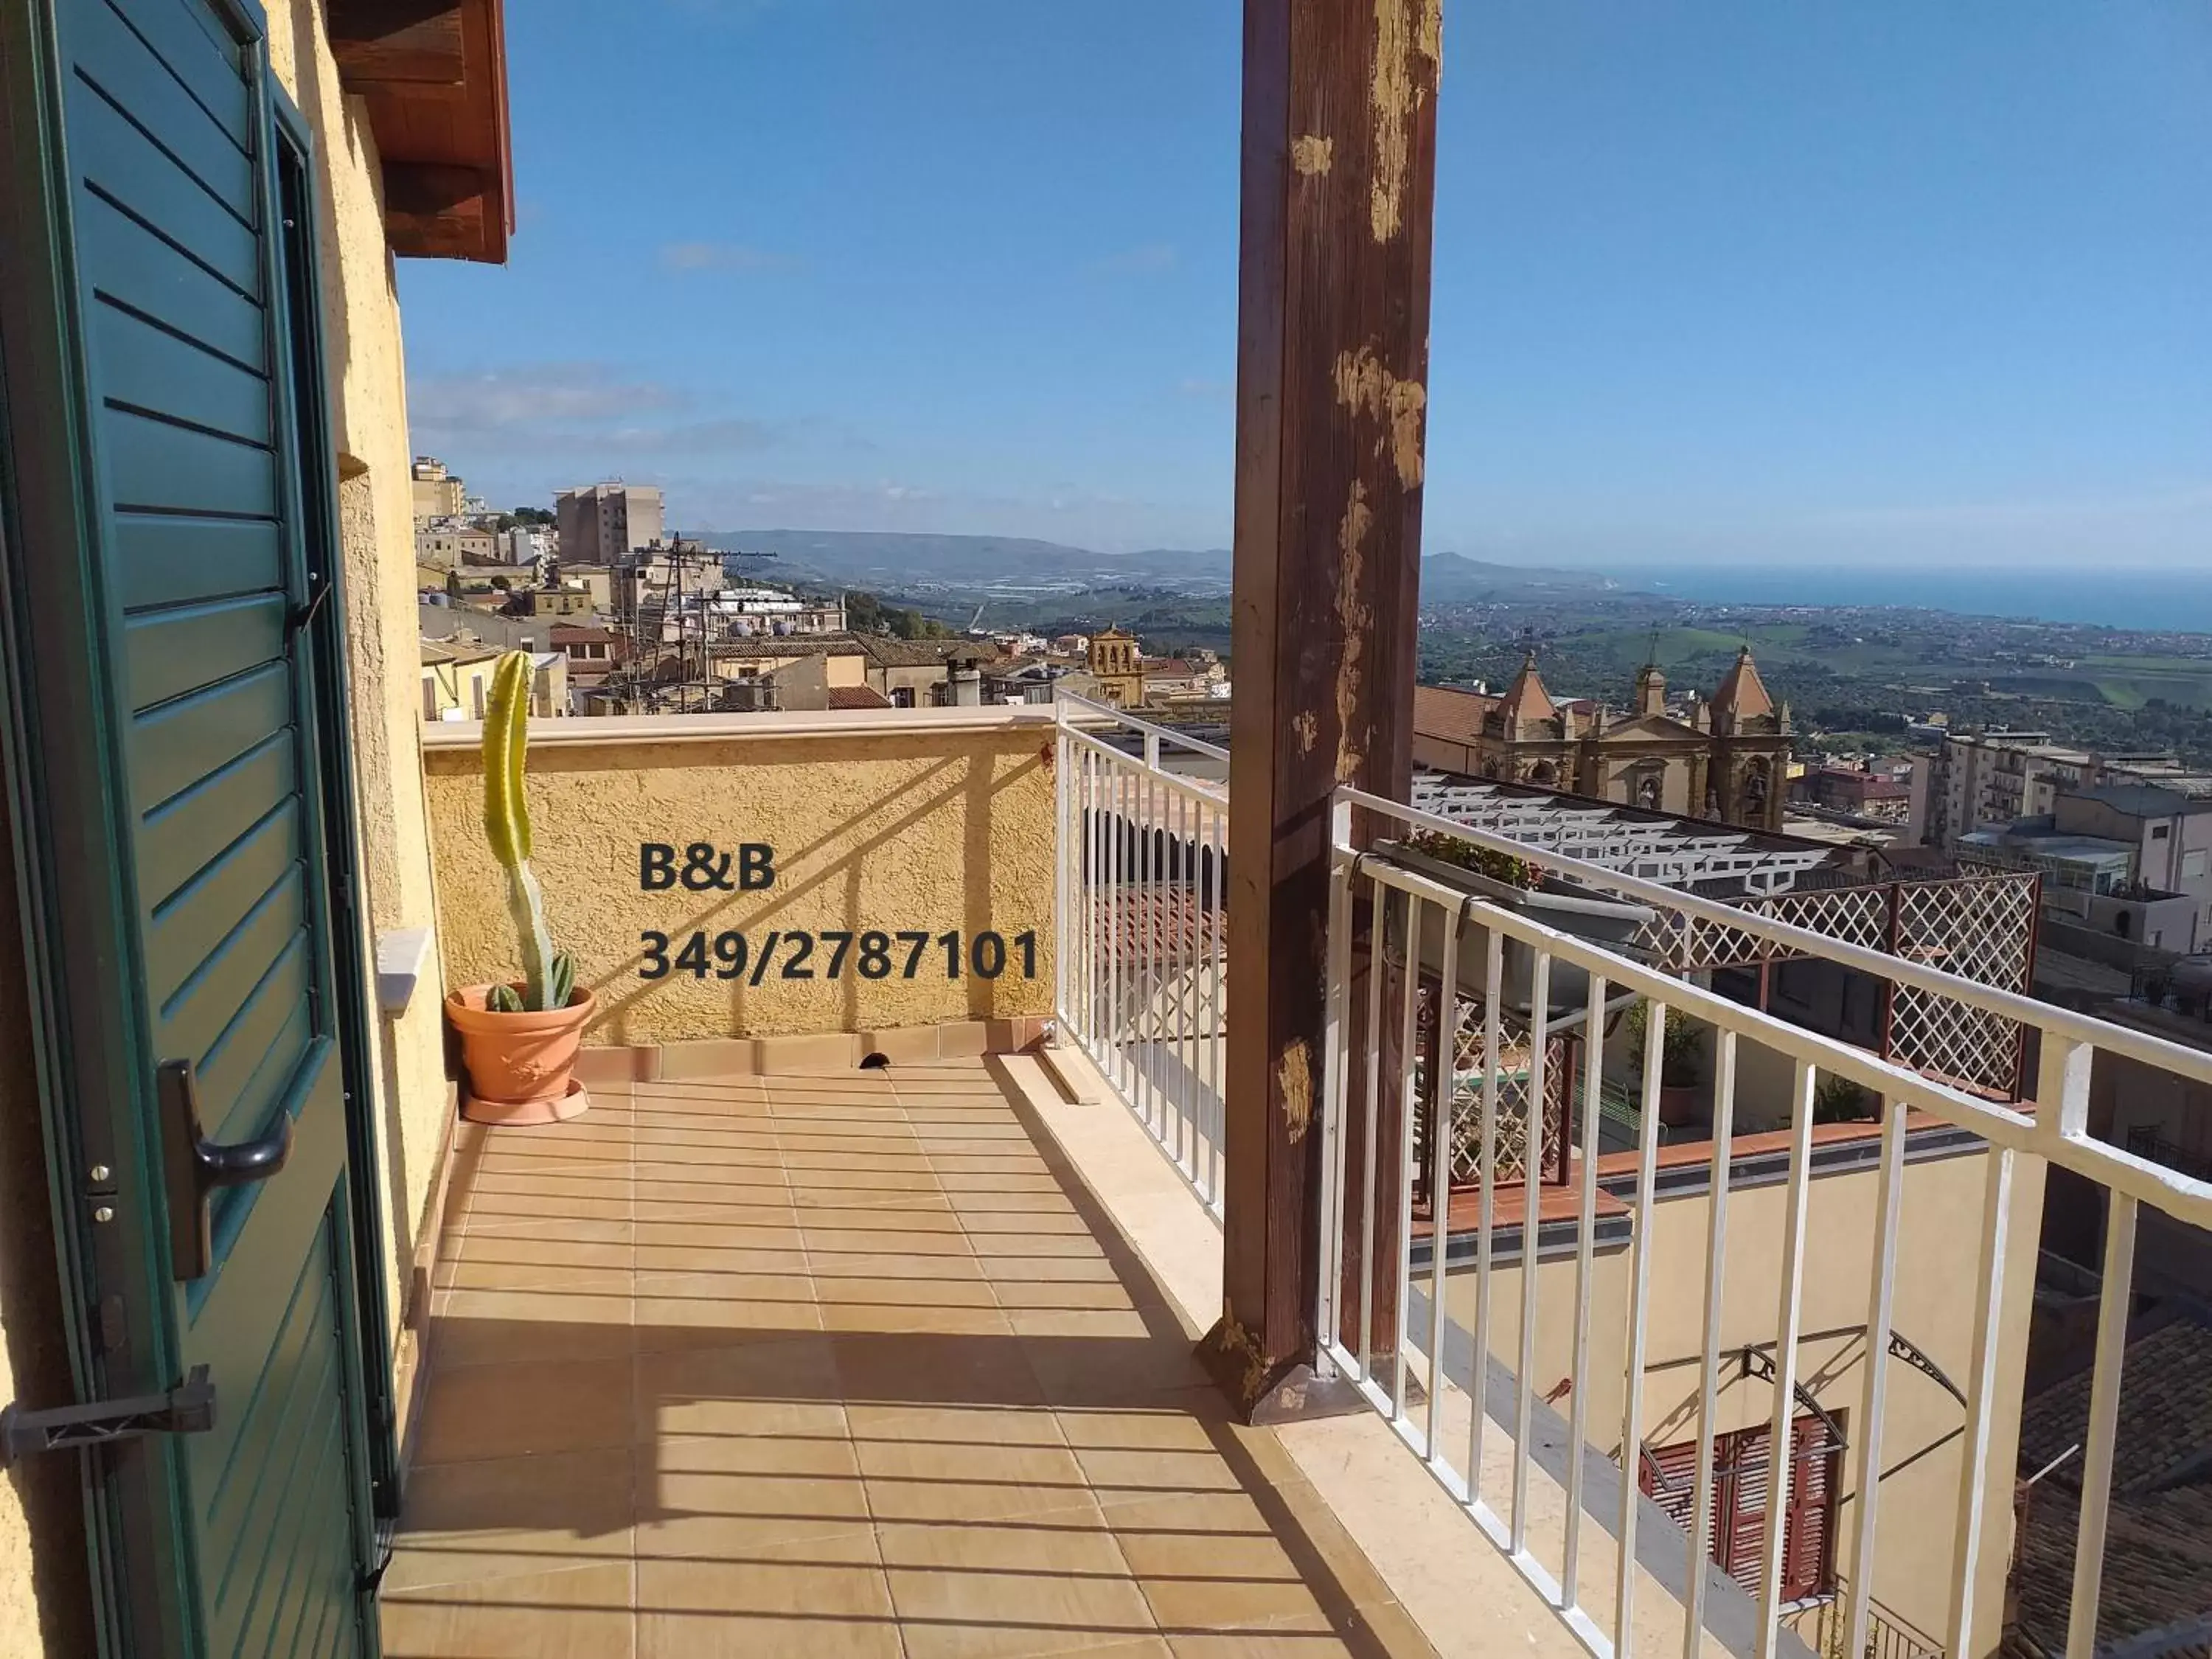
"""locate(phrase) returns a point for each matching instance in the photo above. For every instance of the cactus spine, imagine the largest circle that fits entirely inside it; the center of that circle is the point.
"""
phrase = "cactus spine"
(548, 979)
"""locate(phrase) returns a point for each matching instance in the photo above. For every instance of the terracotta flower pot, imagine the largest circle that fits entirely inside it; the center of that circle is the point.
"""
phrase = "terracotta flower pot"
(1678, 1104)
(519, 1065)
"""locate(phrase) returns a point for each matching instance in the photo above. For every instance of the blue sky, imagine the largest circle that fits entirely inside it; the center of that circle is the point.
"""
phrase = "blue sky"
(1717, 280)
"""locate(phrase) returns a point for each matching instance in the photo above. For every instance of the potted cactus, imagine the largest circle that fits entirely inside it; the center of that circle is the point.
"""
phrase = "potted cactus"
(519, 1040)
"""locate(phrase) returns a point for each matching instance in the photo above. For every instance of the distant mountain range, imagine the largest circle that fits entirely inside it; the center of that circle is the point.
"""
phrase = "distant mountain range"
(892, 562)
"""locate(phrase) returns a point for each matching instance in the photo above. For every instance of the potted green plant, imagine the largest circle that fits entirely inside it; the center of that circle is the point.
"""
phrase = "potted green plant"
(1681, 1057)
(1839, 1100)
(519, 1040)
(1513, 882)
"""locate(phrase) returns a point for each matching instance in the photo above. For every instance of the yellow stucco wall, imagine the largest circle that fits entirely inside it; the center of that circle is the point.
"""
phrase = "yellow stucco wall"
(932, 830)
(367, 377)
(1941, 1223)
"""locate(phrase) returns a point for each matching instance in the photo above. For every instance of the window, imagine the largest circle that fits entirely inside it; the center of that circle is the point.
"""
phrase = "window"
(1740, 1493)
(2160, 831)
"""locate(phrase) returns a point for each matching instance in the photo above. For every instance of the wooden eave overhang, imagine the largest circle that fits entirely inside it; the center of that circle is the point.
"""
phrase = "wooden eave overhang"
(433, 75)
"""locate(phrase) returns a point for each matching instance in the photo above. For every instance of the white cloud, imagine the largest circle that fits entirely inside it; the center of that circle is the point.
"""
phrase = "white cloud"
(569, 409)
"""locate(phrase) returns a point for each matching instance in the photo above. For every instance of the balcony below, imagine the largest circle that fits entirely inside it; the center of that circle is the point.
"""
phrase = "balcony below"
(849, 1364)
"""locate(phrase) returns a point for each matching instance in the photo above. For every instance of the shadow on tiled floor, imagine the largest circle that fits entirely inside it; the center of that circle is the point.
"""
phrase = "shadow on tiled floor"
(835, 1365)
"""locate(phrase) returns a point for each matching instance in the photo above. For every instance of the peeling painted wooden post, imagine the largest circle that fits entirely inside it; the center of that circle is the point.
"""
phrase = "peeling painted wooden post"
(1339, 184)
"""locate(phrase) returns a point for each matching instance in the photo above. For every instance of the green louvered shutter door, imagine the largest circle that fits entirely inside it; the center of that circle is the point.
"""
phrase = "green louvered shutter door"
(173, 182)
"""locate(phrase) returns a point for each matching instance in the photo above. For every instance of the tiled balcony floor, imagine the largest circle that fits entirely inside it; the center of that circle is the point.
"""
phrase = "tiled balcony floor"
(835, 1365)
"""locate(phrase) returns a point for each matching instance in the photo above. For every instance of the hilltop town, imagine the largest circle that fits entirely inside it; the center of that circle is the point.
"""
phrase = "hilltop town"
(625, 616)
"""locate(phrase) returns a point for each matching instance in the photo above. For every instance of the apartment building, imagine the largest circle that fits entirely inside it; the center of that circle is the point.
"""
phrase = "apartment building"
(438, 493)
(1983, 779)
(2168, 836)
(606, 523)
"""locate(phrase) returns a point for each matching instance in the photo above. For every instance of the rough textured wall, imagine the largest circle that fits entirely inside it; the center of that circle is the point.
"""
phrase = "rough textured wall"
(926, 831)
(368, 408)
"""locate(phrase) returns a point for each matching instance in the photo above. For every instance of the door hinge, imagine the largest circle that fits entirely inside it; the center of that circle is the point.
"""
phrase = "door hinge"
(188, 1408)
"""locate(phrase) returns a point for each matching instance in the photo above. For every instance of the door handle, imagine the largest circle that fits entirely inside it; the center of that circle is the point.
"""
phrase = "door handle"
(197, 1168)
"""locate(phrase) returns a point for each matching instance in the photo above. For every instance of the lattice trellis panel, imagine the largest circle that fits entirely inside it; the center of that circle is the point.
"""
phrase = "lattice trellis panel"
(1979, 928)
(1514, 1081)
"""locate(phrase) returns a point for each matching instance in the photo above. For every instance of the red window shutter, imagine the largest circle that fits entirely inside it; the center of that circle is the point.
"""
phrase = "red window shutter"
(1746, 1487)
(1669, 1476)
(1807, 1555)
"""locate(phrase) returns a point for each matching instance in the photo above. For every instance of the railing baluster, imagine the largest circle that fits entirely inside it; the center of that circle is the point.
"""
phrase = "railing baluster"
(1639, 1298)
(1218, 957)
(2114, 1302)
(1585, 1249)
(1709, 1371)
(1485, 1216)
(1371, 1186)
(1532, 1179)
(1062, 907)
(1335, 1151)
(1782, 1461)
(1866, 1480)
(1402, 1163)
(1981, 1401)
(1446, 1014)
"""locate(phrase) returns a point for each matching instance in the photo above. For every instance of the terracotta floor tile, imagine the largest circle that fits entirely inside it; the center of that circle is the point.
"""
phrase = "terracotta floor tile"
(951, 1615)
(582, 1613)
(875, 1241)
(1262, 1645)
(512, 1517)
(1115, 1472)
(899, 1219)
(500, 1207)
(824, 1598)
(1064, 1296)
(480, 1411)
(1196, 1605)
(1031, 1224)
(733, 1499)
(899, 1200)
(738, 1225)
(1082, 1549)
(874, 1388)
(953, 1426)
(508, 1328)
(827, 1265)
(1049, 1269)
(728, 1229)
(1108, 1323)
(1083, 1372)
(888, 1318)
(974, 1485)
(922, 1370)
(480, 1225)
(677, 1311)
(740, 1262)
(762, 1388)
(848, 1288)
(592, 1183)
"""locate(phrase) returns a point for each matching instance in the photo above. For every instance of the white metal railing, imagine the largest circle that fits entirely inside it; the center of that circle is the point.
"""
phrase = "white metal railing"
(1399, 1319)
(1143, 920)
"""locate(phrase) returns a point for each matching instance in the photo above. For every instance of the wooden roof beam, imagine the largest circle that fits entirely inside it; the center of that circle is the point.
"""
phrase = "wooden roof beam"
(408, 42)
